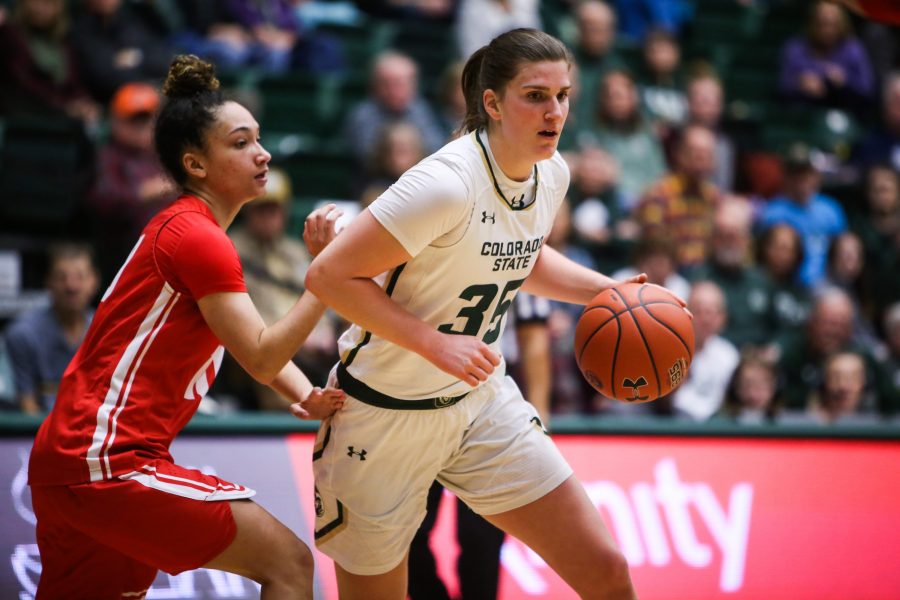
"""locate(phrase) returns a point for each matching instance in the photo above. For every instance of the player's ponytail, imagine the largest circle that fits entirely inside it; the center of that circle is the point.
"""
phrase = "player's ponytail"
(491, 67)
(193, 97)
(476, 117)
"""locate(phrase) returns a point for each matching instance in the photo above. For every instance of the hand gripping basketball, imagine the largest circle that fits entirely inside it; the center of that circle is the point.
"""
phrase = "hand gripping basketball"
(634, 342)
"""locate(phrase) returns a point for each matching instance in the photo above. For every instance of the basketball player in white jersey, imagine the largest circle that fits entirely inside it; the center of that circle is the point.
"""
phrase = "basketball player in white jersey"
(427, 397)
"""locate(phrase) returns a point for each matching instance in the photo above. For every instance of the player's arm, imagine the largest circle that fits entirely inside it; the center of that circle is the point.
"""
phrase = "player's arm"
(265, 350)
(261, 350)
(557, 277)
(342, 276)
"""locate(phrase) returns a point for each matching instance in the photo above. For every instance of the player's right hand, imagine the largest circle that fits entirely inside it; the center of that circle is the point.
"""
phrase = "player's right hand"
(465, 357)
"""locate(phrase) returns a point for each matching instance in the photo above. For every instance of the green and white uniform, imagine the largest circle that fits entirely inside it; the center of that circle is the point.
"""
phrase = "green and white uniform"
(474, 236)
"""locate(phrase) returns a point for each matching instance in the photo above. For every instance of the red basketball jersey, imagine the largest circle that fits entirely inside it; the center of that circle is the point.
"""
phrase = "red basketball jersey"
(147, 359)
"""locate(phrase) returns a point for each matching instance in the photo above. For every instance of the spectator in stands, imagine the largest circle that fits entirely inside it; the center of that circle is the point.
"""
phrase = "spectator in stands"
(398, 147)
(827, 66)
(620, 129)
(655, 256)
(116, 46)
(882, 144)
(43, 341)
(599, 221)
(410, 10)
(480, 21)
(451, 100)
(817, 217)
(779, 255)
(752, 396)
(278, 41)
(878, 223)
(130, 185)
(38, 69)
(878, 226)
(705, 102)
(660, 81)
(842, 396)
(209, 31)
(747, 290)
(8, 401)
(887, 367)
(274, 267)
(846, 269)
(715, 358)
(829, 330)
(394, 96)
(594, 54)
(681, 205)
(638, 17)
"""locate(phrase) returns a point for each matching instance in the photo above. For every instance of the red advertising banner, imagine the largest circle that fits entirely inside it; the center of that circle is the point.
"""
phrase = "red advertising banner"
(698, 518)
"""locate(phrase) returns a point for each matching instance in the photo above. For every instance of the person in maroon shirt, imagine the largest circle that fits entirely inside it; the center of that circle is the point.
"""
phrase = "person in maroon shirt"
(39, 72)
(130, 185)
(112, 506)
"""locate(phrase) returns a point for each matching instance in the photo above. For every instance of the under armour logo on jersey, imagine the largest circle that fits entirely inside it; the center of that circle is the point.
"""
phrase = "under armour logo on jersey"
(517, 202)
(203, 378)
(351, 453)
(639, 382)
(485, 217)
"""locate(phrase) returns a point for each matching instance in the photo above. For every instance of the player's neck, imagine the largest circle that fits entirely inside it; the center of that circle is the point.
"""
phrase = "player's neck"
(223, 214)
(507, 159)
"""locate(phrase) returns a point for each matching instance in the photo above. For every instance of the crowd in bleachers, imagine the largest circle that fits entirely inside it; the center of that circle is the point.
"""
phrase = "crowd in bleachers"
(743, 153)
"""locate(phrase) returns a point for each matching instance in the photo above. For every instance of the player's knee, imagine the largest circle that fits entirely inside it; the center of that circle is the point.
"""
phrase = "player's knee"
(300, 561)
(293, 566)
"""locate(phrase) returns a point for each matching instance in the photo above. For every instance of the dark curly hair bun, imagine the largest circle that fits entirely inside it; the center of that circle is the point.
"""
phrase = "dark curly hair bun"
(189, 76)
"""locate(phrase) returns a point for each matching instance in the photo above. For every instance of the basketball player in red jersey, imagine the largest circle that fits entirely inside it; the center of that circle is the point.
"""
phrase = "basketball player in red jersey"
(112, 507)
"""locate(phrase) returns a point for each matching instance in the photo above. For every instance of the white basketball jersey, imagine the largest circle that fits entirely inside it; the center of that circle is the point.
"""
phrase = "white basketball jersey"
(474, 236)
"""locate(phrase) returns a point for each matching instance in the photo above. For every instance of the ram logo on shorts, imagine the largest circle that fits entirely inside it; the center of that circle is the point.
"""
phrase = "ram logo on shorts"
(443, 401)
(320, 510)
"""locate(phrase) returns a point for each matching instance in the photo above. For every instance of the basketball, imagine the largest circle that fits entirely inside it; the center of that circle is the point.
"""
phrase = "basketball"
(634, 342)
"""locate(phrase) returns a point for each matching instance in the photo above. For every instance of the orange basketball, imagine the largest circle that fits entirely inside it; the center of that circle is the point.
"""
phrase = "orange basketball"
(634, 342)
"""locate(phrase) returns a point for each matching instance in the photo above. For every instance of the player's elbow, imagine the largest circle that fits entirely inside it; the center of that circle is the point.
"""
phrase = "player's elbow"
(261, 369)
(316, 279)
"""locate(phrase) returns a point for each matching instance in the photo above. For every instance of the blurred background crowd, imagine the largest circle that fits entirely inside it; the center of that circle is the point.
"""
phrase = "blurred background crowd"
(743, 153)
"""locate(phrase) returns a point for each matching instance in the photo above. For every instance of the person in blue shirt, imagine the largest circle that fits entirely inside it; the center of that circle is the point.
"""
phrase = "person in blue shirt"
(817, 217)
(41, 342)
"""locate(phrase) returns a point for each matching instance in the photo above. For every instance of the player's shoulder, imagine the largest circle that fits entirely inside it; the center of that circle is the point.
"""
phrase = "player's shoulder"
(448, 171)
(555, 171)
(188, 215)
(460, 154)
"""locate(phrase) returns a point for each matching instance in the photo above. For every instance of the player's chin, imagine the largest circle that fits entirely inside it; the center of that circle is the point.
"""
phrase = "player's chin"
(547, 145)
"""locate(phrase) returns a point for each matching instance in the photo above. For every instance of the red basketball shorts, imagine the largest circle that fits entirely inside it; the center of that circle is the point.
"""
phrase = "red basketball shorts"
(108, 539)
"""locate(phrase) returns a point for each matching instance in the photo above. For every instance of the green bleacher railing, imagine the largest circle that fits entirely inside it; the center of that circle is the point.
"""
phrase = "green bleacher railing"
(13, 424)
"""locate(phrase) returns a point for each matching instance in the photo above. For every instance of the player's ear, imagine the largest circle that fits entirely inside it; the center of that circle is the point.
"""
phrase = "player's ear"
(491, 102)
(193, 165)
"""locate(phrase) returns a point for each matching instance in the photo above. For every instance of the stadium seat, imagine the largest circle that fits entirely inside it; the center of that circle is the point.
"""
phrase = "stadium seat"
(45, 167)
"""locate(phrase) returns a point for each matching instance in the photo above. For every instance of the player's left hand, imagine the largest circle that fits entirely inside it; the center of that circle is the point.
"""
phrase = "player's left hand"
(318, 229)
(642, 278)
(639, 278)
(320, 404)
